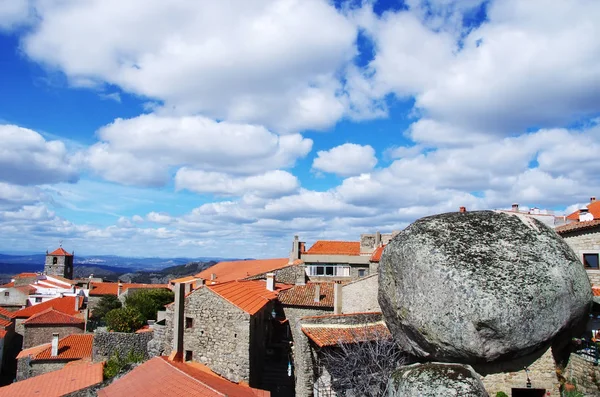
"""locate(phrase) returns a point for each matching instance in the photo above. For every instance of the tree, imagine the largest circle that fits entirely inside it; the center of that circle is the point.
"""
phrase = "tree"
(150, 301)
(106, 304)
(363, 366)
(125, 319)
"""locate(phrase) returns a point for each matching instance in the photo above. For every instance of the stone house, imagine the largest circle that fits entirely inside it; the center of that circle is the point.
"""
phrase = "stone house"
(584, 239)
(39, 328)
(14, 298)
(360, 296)
(71, 305)
(55, 355)
(120, 290)
(223, 272)
(225, 326)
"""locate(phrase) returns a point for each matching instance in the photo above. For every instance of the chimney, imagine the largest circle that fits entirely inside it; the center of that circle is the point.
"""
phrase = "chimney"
(295, 253)
(301, 276)
(585, 215)
(377, 240)
(178, 323)
(213, 277)
(54, 348)
(592, 199)
(271, 281)
(77, 303)
(317, 293)
(515, 207)
(462, 209)
(337, 298)
(200, 282)
(119, 288)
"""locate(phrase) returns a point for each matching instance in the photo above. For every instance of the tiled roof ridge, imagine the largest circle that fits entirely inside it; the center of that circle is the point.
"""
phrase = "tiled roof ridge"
(197, 380)
(575, 226)
(60, 251)
(76, 320)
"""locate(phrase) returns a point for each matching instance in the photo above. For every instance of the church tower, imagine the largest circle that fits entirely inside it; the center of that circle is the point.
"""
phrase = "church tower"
(59, 263)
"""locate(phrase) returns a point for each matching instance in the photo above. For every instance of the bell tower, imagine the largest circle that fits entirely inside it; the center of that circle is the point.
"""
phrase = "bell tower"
(59, 263)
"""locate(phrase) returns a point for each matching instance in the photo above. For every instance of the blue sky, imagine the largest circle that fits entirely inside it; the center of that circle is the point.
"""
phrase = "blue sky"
(225, 128)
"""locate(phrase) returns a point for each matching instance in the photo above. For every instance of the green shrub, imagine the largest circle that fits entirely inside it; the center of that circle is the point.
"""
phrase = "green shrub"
(115, 364)
(106, 304)
(125, 319)
(148, 302)
(501, 394)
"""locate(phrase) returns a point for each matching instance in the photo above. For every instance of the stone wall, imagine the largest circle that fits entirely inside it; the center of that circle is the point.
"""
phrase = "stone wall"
(542, 374)
(361, 295)
(585, 242)
(305, 360)
(286, 275)
(92, 302)
(218, 336)
(27, 368)
(37, 335)
(19, 327)
(584, 373)
(108, 343)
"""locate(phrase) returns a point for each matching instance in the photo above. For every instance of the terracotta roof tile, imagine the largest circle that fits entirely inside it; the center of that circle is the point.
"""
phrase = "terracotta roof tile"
(64, 305)
(32, 351)
(7, 313)
(56, 383)
(26, 275)
(5, 323)
(325, 247)
(8, 285)
(250, 296)
(331, 335)
(60, 252)
(159, 377)
(237, 270)
(376, 257)
(103, 288)
(304, 295)
(593, 208)
(575, 226)
(51, 316)
(71, 347)
(596, 290)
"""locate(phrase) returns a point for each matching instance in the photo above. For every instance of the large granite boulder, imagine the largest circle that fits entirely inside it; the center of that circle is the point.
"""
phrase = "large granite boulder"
(480, 287)
(435, 380)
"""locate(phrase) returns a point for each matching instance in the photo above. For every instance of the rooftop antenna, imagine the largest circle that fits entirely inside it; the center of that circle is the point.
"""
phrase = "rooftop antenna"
(60, 243)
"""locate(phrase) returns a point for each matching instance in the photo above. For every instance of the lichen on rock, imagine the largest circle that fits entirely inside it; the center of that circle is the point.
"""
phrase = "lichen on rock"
(480, 287)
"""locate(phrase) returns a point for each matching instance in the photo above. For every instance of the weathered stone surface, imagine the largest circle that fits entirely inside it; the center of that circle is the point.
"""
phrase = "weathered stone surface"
(480, 287)
(436, 379)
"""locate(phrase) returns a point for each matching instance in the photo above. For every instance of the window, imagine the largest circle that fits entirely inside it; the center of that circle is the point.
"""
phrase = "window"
(38, 300)
(6, 293)
(361, 272)
(189, 355)
(189, 322)
(329, 270)
(590, 261)
(54, 260)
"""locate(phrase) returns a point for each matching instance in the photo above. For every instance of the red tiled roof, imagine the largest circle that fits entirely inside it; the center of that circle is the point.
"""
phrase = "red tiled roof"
(65, 305)
(575, 226)
(111, 288)
(304, 295)
(183, 279)
(236, 270)
(71, 347)
(56, 383)
(324, 247)
(8, 285)
(26, 275)
(159, 377)
(250, 296)
(60, 252)
(32, 351)
(6, 313)
(596, 290)
(26, 289)
(5, 323)
(51, 316)
(593, 208)
(332, 335)
(376, 257)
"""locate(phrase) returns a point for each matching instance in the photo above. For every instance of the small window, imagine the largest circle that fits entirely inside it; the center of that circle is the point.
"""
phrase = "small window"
(6, 293)
(320, 270)
(590, 261)
(54, 260)
(189, 322)
(38, 300)
(189, 355)
(329, 270)
(361, 272)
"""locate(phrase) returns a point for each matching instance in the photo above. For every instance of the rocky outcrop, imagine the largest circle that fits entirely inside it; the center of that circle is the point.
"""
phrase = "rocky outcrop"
(436, 379)
(480, 287)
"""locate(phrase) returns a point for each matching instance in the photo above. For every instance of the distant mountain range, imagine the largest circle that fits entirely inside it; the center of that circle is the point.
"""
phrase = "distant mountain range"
(111, 267)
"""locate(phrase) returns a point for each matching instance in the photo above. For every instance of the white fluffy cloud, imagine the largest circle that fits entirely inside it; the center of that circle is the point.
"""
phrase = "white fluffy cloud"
(26, 158)
(267, 62)
(142, 150)
(14, 13)
(346, 160)
(271, 183)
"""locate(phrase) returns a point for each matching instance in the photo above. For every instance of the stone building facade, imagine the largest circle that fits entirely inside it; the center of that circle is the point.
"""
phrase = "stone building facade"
(360, 296)
(35, 335)
(107, 344)
(59, 263)
(584, 240)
